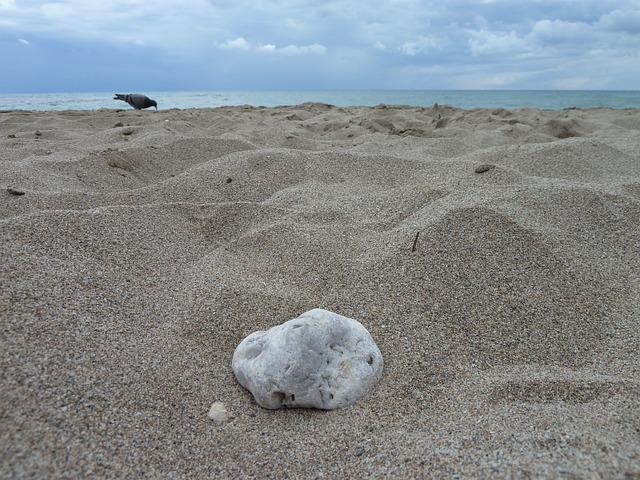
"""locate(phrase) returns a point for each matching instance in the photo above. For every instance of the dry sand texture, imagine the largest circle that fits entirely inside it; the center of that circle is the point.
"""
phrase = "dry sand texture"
(140, 248)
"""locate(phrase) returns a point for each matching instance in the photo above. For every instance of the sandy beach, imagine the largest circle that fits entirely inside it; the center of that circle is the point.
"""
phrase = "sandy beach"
(140, 247)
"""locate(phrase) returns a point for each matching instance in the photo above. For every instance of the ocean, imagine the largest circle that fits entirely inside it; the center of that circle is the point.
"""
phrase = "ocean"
(466, 99)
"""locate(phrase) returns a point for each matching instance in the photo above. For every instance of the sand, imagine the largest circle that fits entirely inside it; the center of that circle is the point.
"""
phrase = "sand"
(140, 248)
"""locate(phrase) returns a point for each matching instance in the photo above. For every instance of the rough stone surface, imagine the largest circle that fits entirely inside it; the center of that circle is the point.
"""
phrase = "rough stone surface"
(318, 360)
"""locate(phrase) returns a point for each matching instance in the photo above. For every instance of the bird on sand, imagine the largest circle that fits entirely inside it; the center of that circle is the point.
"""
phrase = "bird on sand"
(136, 100)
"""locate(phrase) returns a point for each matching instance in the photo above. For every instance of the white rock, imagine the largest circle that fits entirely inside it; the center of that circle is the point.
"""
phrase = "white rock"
(218, 412)
(318, 360)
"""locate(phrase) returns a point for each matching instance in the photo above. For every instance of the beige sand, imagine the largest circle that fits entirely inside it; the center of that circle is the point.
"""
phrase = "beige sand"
(147, 245)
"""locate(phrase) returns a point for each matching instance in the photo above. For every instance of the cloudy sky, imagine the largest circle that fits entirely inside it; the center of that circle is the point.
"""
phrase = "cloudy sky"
(207, 45)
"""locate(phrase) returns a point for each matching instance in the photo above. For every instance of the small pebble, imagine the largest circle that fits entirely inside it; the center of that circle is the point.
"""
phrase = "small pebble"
(484, 168)
(218, 412)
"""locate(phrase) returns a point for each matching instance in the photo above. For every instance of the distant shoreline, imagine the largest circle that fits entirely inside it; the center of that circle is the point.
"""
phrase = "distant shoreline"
(464, 99)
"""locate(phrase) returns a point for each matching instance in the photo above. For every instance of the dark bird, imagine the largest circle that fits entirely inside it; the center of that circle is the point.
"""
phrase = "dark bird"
(136, 100)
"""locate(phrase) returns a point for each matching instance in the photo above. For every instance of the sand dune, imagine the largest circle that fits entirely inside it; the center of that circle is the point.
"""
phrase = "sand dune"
(140, 248)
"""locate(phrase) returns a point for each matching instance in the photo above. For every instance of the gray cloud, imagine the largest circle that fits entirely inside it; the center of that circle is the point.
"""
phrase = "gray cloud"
(339, 43)
(627, 21)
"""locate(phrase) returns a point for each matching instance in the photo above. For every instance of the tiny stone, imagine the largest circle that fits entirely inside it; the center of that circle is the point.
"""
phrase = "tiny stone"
(119, 124)
(484, 168)
(318, 360)
(229, 180)
(218, 412)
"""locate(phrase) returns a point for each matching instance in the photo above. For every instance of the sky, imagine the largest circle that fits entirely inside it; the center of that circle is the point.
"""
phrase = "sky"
(237, 45)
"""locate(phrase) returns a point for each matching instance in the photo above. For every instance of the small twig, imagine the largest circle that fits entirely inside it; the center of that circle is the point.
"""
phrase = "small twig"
(15, 191)
(415, 243)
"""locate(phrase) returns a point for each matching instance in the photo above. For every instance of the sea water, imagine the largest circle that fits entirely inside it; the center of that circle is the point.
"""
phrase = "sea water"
(466, 99)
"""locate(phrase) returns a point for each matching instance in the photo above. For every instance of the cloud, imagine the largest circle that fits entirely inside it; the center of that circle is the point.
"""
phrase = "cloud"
(237, 44)
(489, 43)
(622, 21)
(315, 49)
(386, 43)
(556, 32)
(420, 45)
(155, 23)
(241, 44)
(267, 48)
